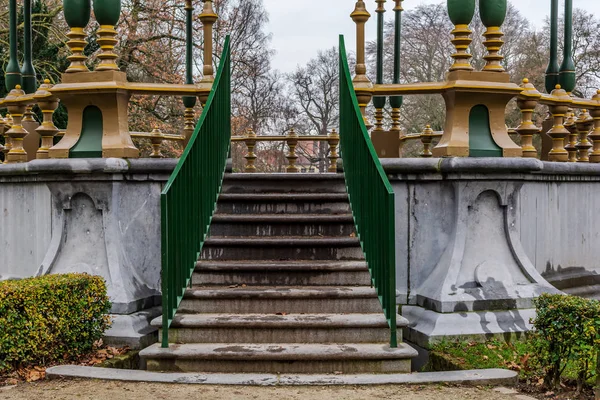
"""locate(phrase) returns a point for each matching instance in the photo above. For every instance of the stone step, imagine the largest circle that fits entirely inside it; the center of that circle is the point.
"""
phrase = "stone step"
(272, 300)
(283, 203)
(273, 328)
(291, 273)
(282, 225)
(284, 183)
(282, 248)
(279, 358)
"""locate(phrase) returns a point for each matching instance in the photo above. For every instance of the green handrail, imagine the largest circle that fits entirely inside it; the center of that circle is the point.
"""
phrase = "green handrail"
(189, 198)
(371, 196)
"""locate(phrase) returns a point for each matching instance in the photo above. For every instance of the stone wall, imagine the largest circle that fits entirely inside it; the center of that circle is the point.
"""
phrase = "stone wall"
(551, 205)
(99, 216)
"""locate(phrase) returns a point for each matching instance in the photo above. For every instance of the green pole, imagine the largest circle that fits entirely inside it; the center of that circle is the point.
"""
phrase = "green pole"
(28, 71)
(189, 101)
(567, 69)
(552, 70)
(13, 71)
(396, 101)
(379, 102)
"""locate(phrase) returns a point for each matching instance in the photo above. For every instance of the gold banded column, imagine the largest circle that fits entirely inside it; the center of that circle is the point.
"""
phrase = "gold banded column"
(47, 130)
(77, 15)
(16, 102)
(571, 140)
(595, 135)
(362, 84)
(208, 18)
(333, 138)
(107, 14)
(527, 101)
(292, 141)
(584, 123)
(559, 105)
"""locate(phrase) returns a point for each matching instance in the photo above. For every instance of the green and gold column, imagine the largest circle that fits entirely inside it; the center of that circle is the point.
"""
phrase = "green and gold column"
(189, 101)
(553, 68)
(566, 75)
(362, 84)
(107, 14)
(461, 13)
(28, 71)
(77, 15)
(493, 13)
(396, 101)
(13, 71)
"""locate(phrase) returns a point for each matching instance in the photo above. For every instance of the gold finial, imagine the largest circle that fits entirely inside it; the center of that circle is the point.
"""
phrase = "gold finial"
(47, 81)
(18, 87)
(525, 81)
(558, 87)
(426, 140)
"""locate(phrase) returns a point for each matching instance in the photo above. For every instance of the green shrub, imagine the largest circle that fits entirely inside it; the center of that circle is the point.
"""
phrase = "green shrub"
(50, 318)
(567, 336)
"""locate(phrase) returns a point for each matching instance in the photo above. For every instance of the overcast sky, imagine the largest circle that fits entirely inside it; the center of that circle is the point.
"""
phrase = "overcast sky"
(301, 27)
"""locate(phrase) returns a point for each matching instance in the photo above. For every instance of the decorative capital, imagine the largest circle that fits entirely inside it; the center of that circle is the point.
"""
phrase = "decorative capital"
(380, 6)
(360, 13)
(398, 6)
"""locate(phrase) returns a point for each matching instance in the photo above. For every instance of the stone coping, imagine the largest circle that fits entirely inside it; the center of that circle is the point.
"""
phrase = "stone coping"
(475, 377)
(507, 168)
(72, 166)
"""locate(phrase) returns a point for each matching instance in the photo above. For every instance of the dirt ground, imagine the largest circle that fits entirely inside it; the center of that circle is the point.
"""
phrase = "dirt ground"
(110, 390)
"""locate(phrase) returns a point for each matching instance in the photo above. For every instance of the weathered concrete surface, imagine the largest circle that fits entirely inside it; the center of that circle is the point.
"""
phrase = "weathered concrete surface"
(475, 377)
(99, 216)
(480, 236)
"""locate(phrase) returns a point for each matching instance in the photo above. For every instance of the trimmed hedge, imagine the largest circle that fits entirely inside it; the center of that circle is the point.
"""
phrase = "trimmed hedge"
(50, 318)
(567, 337)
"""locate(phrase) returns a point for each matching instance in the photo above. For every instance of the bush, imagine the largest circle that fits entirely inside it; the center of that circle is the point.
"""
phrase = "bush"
(50, 318)
(567, 336)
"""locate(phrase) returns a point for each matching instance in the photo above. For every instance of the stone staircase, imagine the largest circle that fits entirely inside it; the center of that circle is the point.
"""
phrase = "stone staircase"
(281, 287)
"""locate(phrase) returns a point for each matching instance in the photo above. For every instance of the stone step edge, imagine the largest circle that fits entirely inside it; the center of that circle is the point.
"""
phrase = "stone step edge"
(274, 321)
(282, 292)
(284, 197)
(281, 241)
(482, 377)
(279, 351)
(283, 218)
(307, 266)
(283, 177)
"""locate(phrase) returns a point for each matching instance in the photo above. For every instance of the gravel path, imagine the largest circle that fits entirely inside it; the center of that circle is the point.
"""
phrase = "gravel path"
(105, 390)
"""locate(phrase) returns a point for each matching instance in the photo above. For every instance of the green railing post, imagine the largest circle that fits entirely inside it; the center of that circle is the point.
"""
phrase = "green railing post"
(566, 76)
(553, 68)
(13, 71)
(371, 197)
(189, 198)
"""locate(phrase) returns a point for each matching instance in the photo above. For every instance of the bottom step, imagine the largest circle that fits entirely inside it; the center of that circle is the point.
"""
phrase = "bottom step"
(280, 358)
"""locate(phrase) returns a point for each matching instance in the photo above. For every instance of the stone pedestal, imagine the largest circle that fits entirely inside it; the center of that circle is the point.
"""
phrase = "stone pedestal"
(97, 103)
(469, 133)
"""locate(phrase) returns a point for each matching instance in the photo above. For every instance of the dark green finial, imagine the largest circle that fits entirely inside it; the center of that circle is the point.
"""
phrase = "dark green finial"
(13, 71)
(28, 71)
(461, 12)
(493, 12)
(107, 12)
(567, 69)
(553, 69)
(77, 12)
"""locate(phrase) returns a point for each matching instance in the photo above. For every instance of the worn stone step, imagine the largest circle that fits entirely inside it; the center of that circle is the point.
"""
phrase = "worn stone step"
(282, 225)
(282, 248)
(290, 273)
(273, 328)
(283, 203)
(280, 358)
(270, 300)
(284, 183)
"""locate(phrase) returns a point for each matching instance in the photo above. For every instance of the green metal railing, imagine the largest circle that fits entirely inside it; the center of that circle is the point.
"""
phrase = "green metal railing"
(371, 196)
(189, 198)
